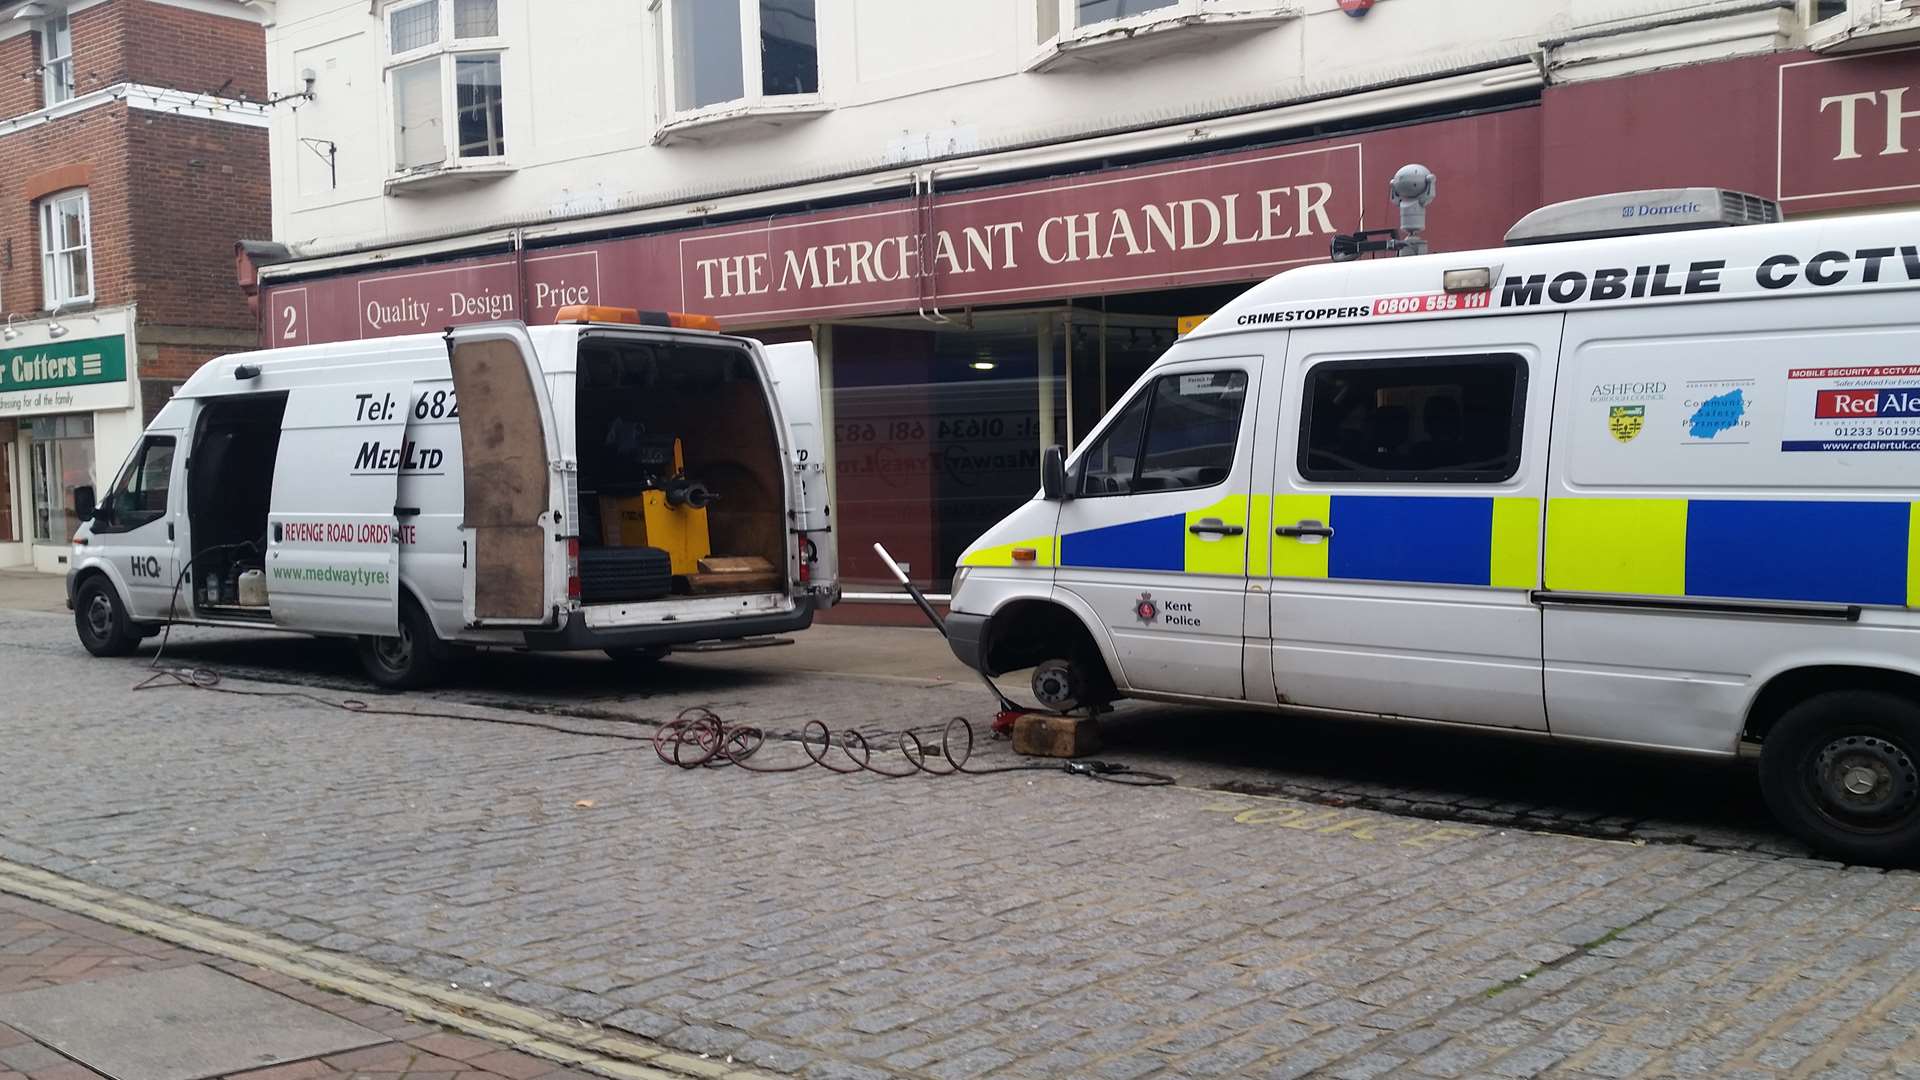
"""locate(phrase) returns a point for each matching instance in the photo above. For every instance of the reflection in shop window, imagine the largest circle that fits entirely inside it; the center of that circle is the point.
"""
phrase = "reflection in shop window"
(62, 463)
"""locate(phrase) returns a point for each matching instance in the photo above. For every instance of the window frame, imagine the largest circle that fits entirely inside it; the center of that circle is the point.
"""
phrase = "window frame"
(114, 524)
(1516, 424)
(50, 257)
(1148, 394)
(1813, 20)
(445, 51)
(52, 65)
(1069, 31)
(752, 73)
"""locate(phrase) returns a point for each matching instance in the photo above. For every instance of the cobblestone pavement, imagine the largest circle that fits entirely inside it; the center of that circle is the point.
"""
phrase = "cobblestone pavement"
(1022, 925)
(41, 947)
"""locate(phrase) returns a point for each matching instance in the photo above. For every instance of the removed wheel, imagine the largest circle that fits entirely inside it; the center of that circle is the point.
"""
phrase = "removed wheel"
(101, 619)
(406, 662)
(640, 656)
(1841, 770)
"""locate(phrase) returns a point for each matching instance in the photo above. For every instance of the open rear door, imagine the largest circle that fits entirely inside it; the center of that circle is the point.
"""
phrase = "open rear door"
(333, 553)
(796, 380)
(515, 560)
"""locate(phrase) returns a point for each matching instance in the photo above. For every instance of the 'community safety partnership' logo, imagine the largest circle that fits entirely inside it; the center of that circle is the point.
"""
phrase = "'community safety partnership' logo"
(1625, 421)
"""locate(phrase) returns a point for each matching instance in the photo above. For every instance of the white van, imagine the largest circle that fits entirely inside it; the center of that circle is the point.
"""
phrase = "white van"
(1656, 491)
(424, 493)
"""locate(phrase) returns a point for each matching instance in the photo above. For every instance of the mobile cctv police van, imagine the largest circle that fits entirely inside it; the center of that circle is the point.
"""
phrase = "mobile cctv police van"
(1656, 491)
(597, 484)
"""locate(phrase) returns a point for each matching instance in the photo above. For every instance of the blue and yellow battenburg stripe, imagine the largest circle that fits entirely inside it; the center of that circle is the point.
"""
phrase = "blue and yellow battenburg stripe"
(1825, 551)
(1853, 552)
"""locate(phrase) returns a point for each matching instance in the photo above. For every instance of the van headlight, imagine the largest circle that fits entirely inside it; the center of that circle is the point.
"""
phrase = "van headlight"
(960, 579)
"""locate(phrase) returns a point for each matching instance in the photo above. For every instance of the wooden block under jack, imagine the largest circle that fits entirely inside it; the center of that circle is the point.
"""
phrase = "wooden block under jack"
(1056, 736)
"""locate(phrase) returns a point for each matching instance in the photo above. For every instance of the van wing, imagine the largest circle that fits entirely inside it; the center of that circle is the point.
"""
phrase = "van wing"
(515, 564)
(796, 379)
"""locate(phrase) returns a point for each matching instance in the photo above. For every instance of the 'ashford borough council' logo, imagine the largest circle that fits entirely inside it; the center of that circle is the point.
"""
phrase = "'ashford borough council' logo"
(1145, 609)
(1625, 421)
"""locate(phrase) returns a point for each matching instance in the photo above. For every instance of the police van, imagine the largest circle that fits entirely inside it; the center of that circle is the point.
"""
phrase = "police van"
(619, 481)
(1653, 489)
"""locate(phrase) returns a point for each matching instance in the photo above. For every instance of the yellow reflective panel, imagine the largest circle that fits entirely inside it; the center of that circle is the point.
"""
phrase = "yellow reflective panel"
(1045, 549)
(1223, 554)
(1301, 557)
(1516, 544)
(1913, 554)
(1633, 546)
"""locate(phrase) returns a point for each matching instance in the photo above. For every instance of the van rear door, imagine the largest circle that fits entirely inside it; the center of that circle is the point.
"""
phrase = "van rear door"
(796, 380)
(510, 530)
(333, 553)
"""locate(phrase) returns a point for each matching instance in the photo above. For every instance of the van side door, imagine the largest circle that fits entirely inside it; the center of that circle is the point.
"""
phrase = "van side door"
(511, 527)
(1406, 519)
(1153, 540)
(333, 553)
(795, 368)
(135, 524)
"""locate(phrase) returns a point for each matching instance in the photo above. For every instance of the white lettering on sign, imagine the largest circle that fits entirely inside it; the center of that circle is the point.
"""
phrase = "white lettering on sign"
(559, 295)
(1179, 225)
(1890, 105)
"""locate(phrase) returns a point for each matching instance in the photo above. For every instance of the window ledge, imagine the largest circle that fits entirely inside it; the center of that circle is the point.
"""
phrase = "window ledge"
(1177, 30)
(1890, 25)
(440, 177)
(736, 118)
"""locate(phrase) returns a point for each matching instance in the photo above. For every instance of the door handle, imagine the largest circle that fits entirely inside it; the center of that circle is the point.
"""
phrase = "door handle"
(169, 530)
(1214, 527)
(406, 511)
(1305, 528)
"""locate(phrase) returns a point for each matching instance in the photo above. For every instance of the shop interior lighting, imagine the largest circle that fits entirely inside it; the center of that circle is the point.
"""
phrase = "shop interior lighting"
(983, 365)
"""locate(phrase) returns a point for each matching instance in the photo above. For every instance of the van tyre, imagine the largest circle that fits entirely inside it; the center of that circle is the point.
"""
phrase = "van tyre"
(1841, 771)
(413, 659)
(619, 575)
(102, 619)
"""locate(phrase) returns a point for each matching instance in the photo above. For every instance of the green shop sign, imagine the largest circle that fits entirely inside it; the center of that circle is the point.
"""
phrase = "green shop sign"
(64, 363)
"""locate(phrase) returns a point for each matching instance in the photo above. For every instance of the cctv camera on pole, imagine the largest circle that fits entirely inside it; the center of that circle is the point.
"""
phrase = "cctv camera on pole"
(1413, 190)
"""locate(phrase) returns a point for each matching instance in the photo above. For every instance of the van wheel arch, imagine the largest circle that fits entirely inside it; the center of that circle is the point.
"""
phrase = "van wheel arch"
(1790, 688)
(1028, 633)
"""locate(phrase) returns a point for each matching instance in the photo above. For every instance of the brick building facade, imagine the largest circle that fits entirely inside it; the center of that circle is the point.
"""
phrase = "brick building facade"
(135, 138)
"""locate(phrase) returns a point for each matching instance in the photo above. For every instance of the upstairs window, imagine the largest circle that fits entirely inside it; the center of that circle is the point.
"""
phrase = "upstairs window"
(745, 51)
(1088, 12)
(66, 249)
(1827, 9)
(56, 60)
(445, 72)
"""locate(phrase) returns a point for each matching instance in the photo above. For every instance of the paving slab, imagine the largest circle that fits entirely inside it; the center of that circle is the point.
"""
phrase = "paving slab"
(184, 1024)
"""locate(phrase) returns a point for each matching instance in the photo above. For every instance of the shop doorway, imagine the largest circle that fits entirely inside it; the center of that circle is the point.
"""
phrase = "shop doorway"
(60, 461)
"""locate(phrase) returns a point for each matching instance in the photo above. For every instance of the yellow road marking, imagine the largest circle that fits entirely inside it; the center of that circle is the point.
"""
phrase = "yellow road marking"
(567, 1042)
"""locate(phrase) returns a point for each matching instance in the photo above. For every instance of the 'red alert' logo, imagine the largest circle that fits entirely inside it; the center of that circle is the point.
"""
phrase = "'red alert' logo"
(1145, 609)
(1356, 8)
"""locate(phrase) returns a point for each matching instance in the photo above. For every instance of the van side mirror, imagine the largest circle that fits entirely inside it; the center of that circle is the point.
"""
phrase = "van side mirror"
(84, 506)
(1053, 474)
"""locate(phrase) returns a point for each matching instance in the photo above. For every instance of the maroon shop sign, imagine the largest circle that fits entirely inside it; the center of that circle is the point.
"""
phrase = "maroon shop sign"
(1228, 220)
(1223, 218)
(1850, 128)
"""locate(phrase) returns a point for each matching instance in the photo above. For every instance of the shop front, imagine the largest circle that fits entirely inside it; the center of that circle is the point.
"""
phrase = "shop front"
(68, 415)
(961, 333)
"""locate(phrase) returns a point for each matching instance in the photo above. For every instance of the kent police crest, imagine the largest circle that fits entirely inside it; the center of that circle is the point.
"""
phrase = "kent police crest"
(1625, 421)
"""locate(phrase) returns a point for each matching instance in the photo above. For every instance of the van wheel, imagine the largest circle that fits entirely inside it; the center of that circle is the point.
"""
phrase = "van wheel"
(406, 662)
(1065, 685)
(102, 619)
(639, 656)
(1841, 771)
